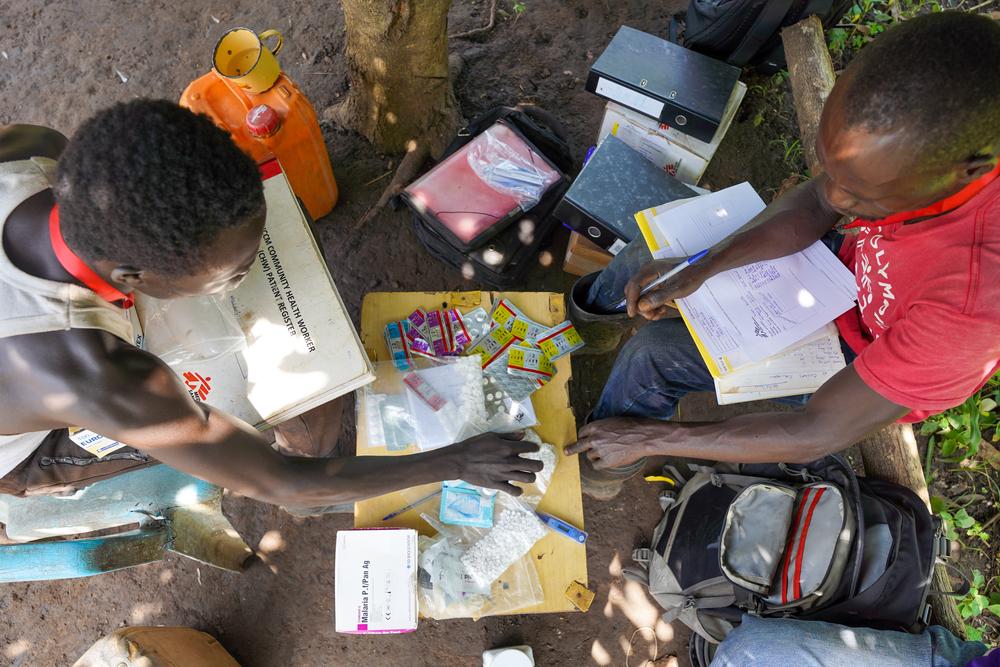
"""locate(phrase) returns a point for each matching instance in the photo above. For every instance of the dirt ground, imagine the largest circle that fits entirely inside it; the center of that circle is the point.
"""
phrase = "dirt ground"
(62, 61)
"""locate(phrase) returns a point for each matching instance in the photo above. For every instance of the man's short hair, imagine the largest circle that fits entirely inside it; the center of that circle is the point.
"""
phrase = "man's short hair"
(149, 184)
(937, 78)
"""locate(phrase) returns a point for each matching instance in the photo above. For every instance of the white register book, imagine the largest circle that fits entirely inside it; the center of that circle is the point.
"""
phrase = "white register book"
(764, 329)
(302, 349)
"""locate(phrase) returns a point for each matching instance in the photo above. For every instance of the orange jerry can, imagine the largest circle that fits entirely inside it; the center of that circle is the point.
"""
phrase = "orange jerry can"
(278, 122)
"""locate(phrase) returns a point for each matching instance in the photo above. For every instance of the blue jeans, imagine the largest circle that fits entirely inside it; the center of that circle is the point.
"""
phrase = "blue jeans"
(789, 643)
(660, 364)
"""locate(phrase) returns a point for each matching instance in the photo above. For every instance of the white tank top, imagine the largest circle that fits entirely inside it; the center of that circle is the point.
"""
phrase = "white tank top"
(29, 304)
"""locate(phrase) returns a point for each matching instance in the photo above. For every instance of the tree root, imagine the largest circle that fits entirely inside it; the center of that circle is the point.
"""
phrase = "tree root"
(478, 31)
(408, 168)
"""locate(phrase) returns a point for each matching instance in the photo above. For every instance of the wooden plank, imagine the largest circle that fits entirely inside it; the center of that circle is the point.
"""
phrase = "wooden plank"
(70, 559)
(810, 71)
(890, 454)
(558, 560)
(583, 256)
(119, 501)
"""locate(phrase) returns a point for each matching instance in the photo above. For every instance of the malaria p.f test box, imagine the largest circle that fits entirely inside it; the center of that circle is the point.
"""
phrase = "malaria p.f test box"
(375, 583)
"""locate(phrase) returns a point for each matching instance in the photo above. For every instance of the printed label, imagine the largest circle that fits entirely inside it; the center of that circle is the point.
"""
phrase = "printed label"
(628, 97)
(96, 444)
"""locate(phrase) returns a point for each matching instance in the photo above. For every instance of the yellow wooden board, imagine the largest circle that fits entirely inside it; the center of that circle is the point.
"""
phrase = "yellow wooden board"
(559, 561)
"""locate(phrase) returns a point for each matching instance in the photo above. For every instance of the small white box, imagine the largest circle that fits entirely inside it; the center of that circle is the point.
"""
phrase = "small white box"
(679, 154)
(375, 581)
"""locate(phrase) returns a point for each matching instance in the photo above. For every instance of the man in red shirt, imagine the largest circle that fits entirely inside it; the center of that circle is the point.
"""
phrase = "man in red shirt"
(909, 142)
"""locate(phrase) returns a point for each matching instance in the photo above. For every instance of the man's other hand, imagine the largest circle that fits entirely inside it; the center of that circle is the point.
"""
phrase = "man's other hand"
(659, 303)
(611, 443)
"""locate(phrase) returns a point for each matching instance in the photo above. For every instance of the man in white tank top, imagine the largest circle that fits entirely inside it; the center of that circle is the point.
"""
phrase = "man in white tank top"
(148, 197)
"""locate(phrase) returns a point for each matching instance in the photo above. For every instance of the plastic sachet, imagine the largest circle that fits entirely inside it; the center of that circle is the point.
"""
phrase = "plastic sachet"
(447, 590)
(515, 530)
(430, 404)
(192, 329)
(510, 169)
(463, 504)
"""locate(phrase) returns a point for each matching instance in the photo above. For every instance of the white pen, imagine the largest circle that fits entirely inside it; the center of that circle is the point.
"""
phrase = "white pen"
(666, 276)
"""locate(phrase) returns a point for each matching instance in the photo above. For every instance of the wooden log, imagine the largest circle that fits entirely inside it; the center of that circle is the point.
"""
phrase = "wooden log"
(890, 454)
(810, 71)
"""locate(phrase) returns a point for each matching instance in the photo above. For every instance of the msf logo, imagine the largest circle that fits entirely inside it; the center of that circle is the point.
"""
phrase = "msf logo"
(198, 386)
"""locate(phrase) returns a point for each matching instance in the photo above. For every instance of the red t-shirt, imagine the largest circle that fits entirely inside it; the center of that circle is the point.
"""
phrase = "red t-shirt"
(927, 325)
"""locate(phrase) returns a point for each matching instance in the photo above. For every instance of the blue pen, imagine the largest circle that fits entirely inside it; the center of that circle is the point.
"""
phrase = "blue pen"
(666, 276)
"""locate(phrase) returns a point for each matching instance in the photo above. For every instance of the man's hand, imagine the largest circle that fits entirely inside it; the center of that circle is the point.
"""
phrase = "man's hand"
(612, 443)
(494, 460)
(659, 303)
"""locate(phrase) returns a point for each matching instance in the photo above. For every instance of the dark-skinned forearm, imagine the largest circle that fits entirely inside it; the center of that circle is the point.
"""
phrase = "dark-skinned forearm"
(790, 437)
(316, 482)
(753, 438)
(230, 453)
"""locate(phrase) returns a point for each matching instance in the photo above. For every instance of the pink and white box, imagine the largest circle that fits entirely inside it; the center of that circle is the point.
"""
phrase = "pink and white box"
(375, 585)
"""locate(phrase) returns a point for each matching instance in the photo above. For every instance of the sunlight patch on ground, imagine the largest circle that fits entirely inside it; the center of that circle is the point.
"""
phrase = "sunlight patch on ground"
(271, 542)
(144, 611)
(599, 653)
(17, 648)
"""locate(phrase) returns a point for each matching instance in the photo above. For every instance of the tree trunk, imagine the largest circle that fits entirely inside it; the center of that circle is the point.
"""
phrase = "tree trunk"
(890, 454)
(401, 97)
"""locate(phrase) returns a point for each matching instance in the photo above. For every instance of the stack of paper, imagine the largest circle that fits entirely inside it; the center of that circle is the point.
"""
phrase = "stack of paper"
(763, 329)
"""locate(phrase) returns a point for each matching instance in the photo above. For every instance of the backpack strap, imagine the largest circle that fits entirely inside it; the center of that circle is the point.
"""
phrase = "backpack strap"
(678, 603)
(740, 481)
(963, 589)
(642, 556)
(763, 28)
(636, 574)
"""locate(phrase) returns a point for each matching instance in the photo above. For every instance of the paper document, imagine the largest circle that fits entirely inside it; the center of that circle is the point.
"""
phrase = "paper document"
(801, 369)
(684, 227)
(750, 313)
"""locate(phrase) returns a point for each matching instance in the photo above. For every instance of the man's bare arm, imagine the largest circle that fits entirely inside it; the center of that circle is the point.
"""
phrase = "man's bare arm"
(840, 413)
(131, 396)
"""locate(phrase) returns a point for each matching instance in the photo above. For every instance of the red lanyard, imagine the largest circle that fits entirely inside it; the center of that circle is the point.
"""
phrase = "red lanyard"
(77, 268)
(935, 209)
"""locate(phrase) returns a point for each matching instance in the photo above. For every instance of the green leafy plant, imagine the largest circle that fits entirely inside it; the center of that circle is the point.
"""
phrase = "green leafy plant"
(866, 19)
(975, 604)
(962, 520)
(956, 433)
(519, 8)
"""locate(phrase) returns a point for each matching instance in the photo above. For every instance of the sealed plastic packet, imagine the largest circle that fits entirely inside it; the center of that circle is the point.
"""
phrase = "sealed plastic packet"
(506, 170)
(191, 329)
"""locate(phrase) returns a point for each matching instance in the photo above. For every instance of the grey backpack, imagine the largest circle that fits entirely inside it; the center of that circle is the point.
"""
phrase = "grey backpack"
(809, 541)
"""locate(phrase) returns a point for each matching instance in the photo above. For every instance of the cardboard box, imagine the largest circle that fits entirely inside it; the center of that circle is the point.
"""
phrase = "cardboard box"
(615, 183)
(583, 257)
(375, 581)
(673, 85)
(678, 154)
(302, 348)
